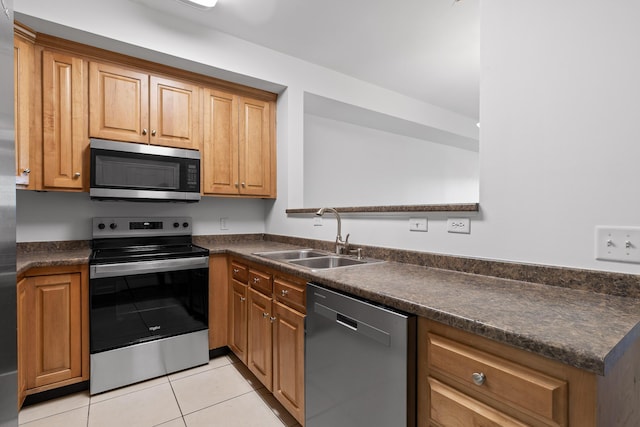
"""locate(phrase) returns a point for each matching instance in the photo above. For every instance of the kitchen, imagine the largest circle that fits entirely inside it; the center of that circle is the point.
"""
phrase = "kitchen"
(545, 153)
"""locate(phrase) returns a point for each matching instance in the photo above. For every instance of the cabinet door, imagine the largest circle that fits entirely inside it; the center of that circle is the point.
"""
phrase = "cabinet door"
(260, 339)
(218, 301)
(55, 341)
(23, 71)
(65, 140)
(220, 146)
(238, 320)
(288, 360)
(119, 103)
(174, 113)
(23, 339)
(255, 149)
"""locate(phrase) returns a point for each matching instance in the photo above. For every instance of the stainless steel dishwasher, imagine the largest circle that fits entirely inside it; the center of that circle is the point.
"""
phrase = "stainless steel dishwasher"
(359, 362)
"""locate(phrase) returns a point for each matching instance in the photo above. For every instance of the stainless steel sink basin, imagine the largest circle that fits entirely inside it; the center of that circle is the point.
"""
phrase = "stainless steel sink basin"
(328, 262)
(292, 254)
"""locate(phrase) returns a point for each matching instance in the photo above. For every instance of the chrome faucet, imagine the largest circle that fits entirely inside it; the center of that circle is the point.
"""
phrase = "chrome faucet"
(342, 246)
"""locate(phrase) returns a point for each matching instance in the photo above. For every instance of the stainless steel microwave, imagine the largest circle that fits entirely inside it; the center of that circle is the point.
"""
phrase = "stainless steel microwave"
(129, 171)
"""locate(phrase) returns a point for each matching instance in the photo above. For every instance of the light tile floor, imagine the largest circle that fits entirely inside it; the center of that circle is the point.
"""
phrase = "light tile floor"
(222, 393)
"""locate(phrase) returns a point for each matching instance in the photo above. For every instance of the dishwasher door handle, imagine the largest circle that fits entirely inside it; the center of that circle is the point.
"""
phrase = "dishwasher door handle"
(357, 326)
(346, 321)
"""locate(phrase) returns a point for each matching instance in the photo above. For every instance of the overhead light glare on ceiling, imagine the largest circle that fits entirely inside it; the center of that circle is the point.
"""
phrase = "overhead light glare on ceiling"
(201, 4)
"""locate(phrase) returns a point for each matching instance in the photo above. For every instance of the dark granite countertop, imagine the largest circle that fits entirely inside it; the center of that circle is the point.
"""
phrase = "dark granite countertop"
(581, 328)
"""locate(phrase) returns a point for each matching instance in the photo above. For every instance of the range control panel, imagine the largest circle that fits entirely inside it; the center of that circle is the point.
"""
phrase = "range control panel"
(108, 227)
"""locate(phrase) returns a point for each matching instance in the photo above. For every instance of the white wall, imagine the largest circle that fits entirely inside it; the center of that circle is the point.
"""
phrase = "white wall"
(559, 112)
(351, 165)
(49, 216)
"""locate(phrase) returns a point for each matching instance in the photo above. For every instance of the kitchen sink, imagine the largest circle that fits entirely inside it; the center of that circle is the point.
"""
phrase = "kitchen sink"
(328, 262)
(315, 259)
(292, 254)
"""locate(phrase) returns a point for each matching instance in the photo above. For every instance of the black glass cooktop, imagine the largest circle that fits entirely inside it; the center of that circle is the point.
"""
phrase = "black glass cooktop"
(130, 250)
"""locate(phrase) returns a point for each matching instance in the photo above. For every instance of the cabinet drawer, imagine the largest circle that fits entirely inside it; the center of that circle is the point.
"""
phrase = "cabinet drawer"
(290, 293)
(532, 392)
(261, 281)
(452, 408)
(239, 272)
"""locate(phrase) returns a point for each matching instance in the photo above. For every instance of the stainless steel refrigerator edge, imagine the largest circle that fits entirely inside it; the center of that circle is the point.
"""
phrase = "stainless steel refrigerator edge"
(8, 354)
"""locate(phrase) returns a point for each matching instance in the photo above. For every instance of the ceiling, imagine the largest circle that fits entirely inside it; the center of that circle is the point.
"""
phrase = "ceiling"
(426, 49)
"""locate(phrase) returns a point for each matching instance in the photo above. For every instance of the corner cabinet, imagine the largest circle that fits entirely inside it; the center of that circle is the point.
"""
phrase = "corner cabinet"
(266, 330)
(131, 105)
(238, 149)
(24, 97)
(53, 328)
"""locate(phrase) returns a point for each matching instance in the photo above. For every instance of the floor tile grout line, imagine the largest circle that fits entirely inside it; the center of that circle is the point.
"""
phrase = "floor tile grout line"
(218, 403)
(50, 415)
(133, 391)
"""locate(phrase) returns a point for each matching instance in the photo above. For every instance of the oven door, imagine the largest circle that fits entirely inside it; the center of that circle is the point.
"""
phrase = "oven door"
(136, 302)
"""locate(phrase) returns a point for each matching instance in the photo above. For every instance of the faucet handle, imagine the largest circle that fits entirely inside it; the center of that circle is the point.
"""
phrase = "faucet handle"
(346, 239)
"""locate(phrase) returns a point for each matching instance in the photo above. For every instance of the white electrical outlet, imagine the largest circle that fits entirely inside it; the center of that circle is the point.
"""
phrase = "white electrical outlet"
(618, 244)
(317, 221)
(224, 223)
(418, 224)
(459, 225)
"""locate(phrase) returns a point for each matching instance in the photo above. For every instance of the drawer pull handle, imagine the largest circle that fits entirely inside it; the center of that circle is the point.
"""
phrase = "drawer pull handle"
(272, 318)
(242, 299)
(284, 292)
(265, 315)
(236, 271)
(478, 378)
(256, 280)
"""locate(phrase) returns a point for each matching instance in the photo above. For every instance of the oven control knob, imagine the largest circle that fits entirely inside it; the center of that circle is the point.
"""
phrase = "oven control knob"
(185, 224)
(176, 225)
(101, 226)
(113, 226)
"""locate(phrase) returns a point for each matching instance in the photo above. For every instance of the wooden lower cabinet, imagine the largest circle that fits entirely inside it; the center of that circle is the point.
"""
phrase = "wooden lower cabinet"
(288, 359)
(238, 319)
(218, 301)
(466, 381)
(266, 330)
(53, 322)
(260, 337)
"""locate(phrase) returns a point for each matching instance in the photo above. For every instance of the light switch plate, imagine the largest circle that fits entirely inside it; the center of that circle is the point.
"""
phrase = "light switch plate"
(418, 224)
(618, 244)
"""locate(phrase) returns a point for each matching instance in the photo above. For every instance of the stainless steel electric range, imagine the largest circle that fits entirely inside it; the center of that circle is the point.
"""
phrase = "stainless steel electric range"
(148, 291)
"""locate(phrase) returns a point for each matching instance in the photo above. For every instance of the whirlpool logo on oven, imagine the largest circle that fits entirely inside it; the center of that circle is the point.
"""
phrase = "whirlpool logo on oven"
(154, 328)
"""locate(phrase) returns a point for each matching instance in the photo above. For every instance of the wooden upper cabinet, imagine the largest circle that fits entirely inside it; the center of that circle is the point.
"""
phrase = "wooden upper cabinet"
(238, 150)
(255, 148)
(133, 106)
(220, 147)
(65, 140)
(24, 84)
(119, 103)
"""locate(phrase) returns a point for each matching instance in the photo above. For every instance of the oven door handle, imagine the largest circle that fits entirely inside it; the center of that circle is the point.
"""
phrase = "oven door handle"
(142, 267)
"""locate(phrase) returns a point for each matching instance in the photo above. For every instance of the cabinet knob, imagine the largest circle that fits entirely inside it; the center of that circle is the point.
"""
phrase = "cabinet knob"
(144, 131)
(478, 378)
(256, 280)
(284, 292)
(27, 171)
(265, 315)
(76, 175)
(236, 184)
(236, 271)
(244, 185)
(272, 318)
(153, 132)
(242, 299)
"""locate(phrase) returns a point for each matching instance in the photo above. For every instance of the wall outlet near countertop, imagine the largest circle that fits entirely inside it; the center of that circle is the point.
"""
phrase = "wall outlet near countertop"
(618, 244)
(224, 223)
(459, 225)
